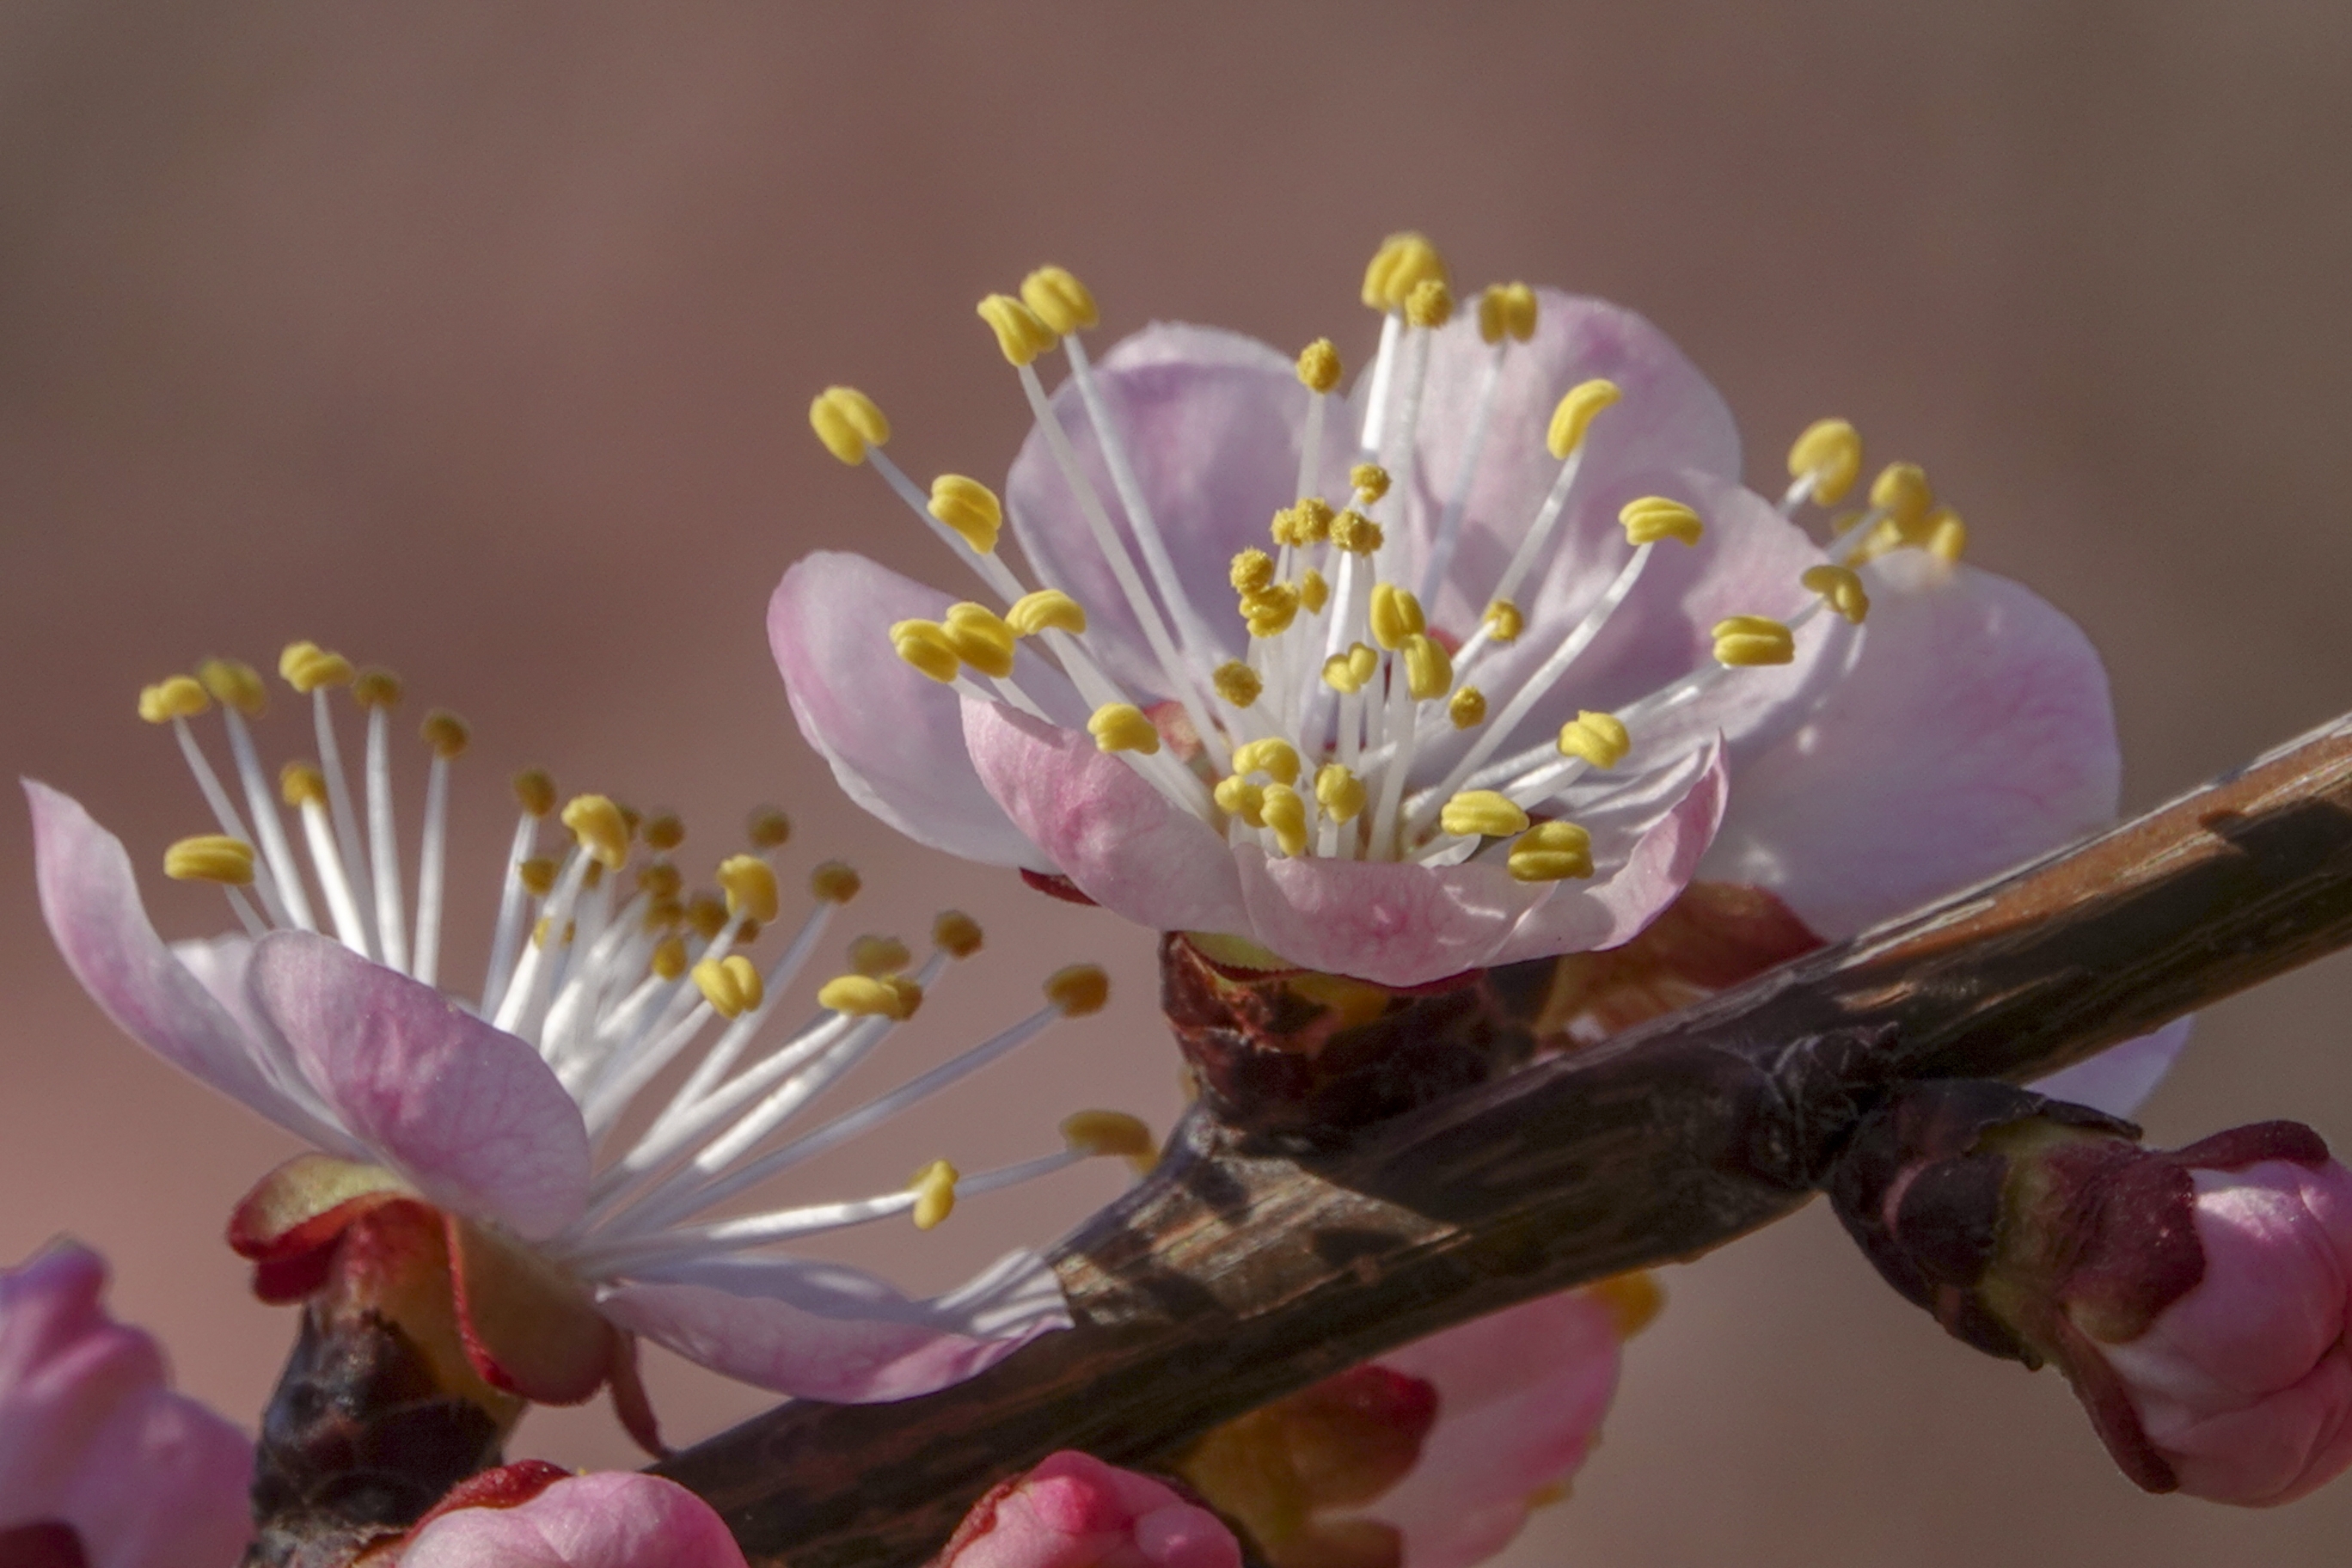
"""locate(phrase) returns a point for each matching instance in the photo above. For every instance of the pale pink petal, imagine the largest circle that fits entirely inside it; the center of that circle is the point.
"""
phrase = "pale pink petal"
(1212, 423)
(1520, 1398)
(90, 899)
(467, 1111)
(92, 1439)
(1075, 1512)
(608, 1520)
(823, 1331)
(2119, 1080)
(893, 736)
(1974, 732)
(1670, 417)
(1115, 835)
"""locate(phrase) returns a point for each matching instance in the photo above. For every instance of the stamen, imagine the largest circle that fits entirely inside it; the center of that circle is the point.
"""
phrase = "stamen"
(1122, 727)
(1571, 421)
(878, 955)
(1318, 372)
(1823, 462)
(1482, 814)
(1655, 517)
(1551, 852)
(535, 792)
(1506, 312)
(210, 857)
(750, 887)
(1841, 589)
(1021, 334)
(848, 423)
(1058, 299)
(307, 667)
(731, 984)
(305, 789)
(238, 689)
(834, 882)
(446, 734)
(934, 1187)
(891, 996)
(1281, 811)
(956, 934)
(1114, 1133)
(663, 832)
(971, 508)
(1237, 683)
(1599, 739)
(377, 690)
(1742, 640)
(1047, 609)
(1467, 709)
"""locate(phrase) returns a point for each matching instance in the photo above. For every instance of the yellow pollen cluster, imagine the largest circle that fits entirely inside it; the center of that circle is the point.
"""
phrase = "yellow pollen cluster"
(537, 875)
(1021, 334)
(1276, 759)
(1079, 989)
(1281, 809)
(1370, 481)
(1252, 571)
(376, 688)
(847, 422)
(1467, 707)
(1551, 852)
(1319, 366)
(969, 508)
(731, 984)
(892, 996)
(1111, 1132)
(1654, 518)
(664, 832)
(1313, 592)
(1339, 792)
(1830, 452)
(300, 784)
(669, 957)
(1047, 609)
(1841, 589)
(235, 684)
(1431, 303)
(934, 1187)
(1507, 309)
(534, 790)
(834, 882)
(306, 667)
(1505, 621)
(1345, 673)
(1354, 532)
(1123, 727)
(1402, 263)
(1394, 614)
(956, 934)
(1575, 414)
(1601, 739)
(445, 733)
(925, 645)
(1482, 814)
(1059, 299)
(750, 884)
(875, 956)
(1268, 611)
(1753, 640)
(210, 857)
(1428, 667)
(176, 697)
(1237, 683)
(599, 827)
(1237, 796)
(1307, 522)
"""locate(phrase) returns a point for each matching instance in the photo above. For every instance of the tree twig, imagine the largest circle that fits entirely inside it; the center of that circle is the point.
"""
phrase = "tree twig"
(1231, 1278)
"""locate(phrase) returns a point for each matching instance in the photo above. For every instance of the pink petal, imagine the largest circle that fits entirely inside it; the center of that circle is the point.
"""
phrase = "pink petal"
(1975, 732)
(1212, 423)
(90, 899)
(893, 736)
(1520, 1398)
(91, 1437)
(822, 1331)
(1117, 838)
(610, 1521)
(2119, 1080)
(467, 1112)
(1075, 1512)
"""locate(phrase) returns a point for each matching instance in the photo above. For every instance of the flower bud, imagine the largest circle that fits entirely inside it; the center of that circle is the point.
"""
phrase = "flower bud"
(2195, 1298)
(1075, 1512)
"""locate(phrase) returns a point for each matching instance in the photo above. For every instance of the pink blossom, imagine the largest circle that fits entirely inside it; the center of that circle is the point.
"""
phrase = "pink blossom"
(1075, 1512)
(491, 1110)
(2243, 1386)
(533, 1516)
(97, 1456)
(1867, 767)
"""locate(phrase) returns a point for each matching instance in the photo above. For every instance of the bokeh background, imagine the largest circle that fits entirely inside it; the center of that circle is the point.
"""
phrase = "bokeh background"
(475, 340)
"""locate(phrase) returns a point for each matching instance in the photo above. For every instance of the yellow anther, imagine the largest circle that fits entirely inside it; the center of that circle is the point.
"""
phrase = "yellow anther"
(766, 826)
(981, 638)
(1428, 667)
(1313, 517)
(1601, 739)
(177, 697)
(1020, 332)
(1468, 708)
(1370, 481)
(663, 832)
(1251, 571)
(1505, 621)
(1482, 814)
(1354, 532)
(669, 957)
(1114, 1133)
(1339, 792)
(1653, 518)
(847, 422)
(1507, 309)
(210, 857)
(969, 508)
(1347, 672)
(750, 884)
(545, 927)
(235, 684)
(1275, 757)
(1830, 450)
(299, 784)
(892, 996)
(1551, 852)
(445, 733)
(1059, 299)
(1237, 796)
(1753, 639)
(599, 827)
(730, 984)
(1318, 365)
(537, 875)
(1122, 727)
(1575, 414)
(1947, 536)
(377, 687)
(1901, 491)
(1634, 1300)
(1431, 303)
(306, 667)
(1839, 588)
(1313, 592)
(926, 646)
(1079, 989)
(1403, 261)
(834, 882)
(875, 956)
(1047, 609)
(1286, 813)
(934, 1187)
(956, 934)
(1395, 615)
(534, 790)
(1237, 683)
(661, 880)
(1270, 611)
(706, 916)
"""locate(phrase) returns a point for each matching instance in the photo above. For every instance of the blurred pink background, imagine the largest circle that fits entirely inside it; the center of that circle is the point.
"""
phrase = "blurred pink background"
(477, 341)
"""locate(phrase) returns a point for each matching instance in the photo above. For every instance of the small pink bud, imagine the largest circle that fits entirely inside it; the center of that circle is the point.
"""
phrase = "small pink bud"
(533, 1515)
(1075, 1512)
